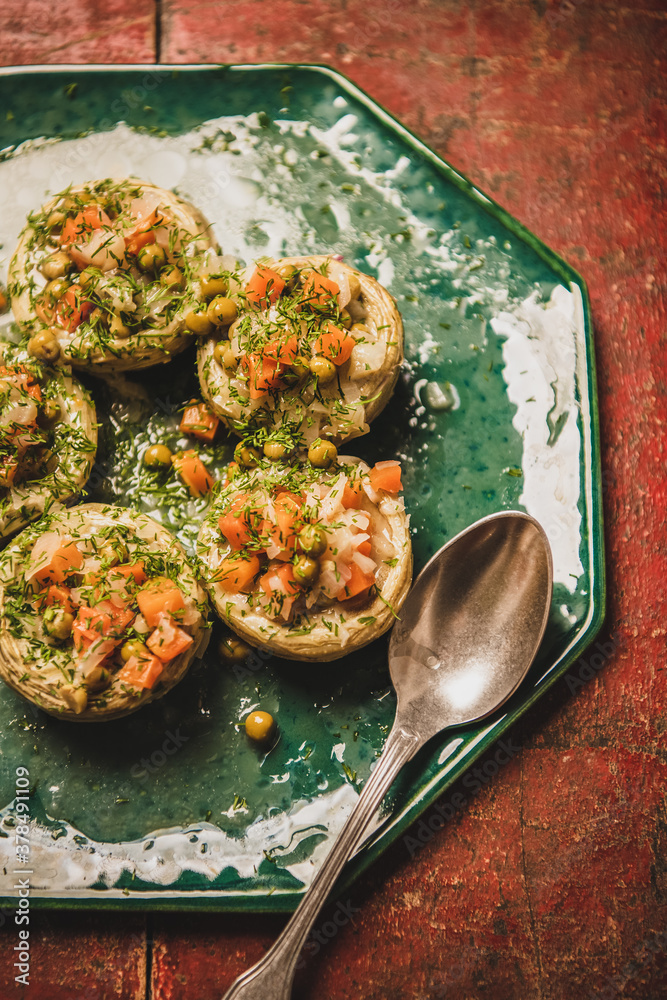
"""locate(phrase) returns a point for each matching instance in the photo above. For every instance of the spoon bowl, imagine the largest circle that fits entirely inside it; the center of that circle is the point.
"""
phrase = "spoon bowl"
(472, 623)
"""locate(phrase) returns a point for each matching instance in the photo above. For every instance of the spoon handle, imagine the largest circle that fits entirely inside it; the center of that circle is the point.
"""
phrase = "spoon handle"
(271, 978)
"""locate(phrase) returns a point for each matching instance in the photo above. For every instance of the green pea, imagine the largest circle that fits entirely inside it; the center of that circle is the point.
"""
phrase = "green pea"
(321, 453)
(260, 726)
(151, 257)
(197, 321)
(274, 450)
(306, 569)
(56, 288)
(58, 623)
(355, 286)
(234, 650)
(118, 328)
(134, 647)
(56, 265)
(313, 540)
(157, 456)
(346, 319)
(212, 284)
(323, 369)
(222, 311)
(225, 356)
(173, 279)
(90, 277)
(50, 412)
(246, 455)
(44, 346)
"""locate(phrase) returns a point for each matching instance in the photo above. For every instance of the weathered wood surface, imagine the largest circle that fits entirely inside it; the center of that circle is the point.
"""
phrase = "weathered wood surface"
(551, 882)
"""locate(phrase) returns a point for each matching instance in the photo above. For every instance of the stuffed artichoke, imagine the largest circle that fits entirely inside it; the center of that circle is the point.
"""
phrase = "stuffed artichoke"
(100, 613)
(299, 348)
(48, 438)
(102, 276)
(308, 562)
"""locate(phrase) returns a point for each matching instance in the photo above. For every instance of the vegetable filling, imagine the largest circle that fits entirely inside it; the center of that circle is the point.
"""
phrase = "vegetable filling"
(298, 541)
(106, 610)
(112, 262)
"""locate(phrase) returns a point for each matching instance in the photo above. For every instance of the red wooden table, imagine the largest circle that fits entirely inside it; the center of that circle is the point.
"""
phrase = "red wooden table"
(551, 882)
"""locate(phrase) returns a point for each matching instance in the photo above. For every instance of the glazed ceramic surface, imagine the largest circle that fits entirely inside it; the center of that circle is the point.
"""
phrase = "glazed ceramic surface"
(495, 409)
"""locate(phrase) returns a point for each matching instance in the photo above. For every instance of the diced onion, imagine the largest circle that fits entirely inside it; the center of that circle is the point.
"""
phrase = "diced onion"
(24, 414)
(190, 615)
(140, 625)
(365, 360)
(372, 495)
(104, 250)
(95, 655)
(141, 208)
(365, 563)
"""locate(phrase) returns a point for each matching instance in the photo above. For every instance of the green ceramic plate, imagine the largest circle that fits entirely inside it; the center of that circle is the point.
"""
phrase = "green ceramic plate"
(171, 807)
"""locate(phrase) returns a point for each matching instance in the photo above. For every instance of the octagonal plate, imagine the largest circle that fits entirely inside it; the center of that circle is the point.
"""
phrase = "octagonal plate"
(171, 807)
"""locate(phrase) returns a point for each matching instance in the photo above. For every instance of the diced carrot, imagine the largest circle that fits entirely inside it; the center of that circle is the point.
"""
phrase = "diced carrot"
(357, 584)
(168, 640)
(296, 497)
(116, 573)
(133, 244)
(283, 532)
(66, 559)
(269, 377)
(160, 596)
(335, 344)
(253, 368)
(105, 621)
(135, 570)
(365, 547)
(262, 374)
(283, 352)
(265, 286)
(33, 389)
(287, 581)
(120, 618)
(193, 472)
(72, 309)
(353, 494)
(90, 626)
(143, 234)
(236, 572)
(199, 422)
(320, 291)
(83, 223)
(115, 582)
(386, 476)
(55, 594)
(141, 673)
(237, 523)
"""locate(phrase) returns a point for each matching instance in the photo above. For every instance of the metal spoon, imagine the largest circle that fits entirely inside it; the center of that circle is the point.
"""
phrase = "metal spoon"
(468, 632)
